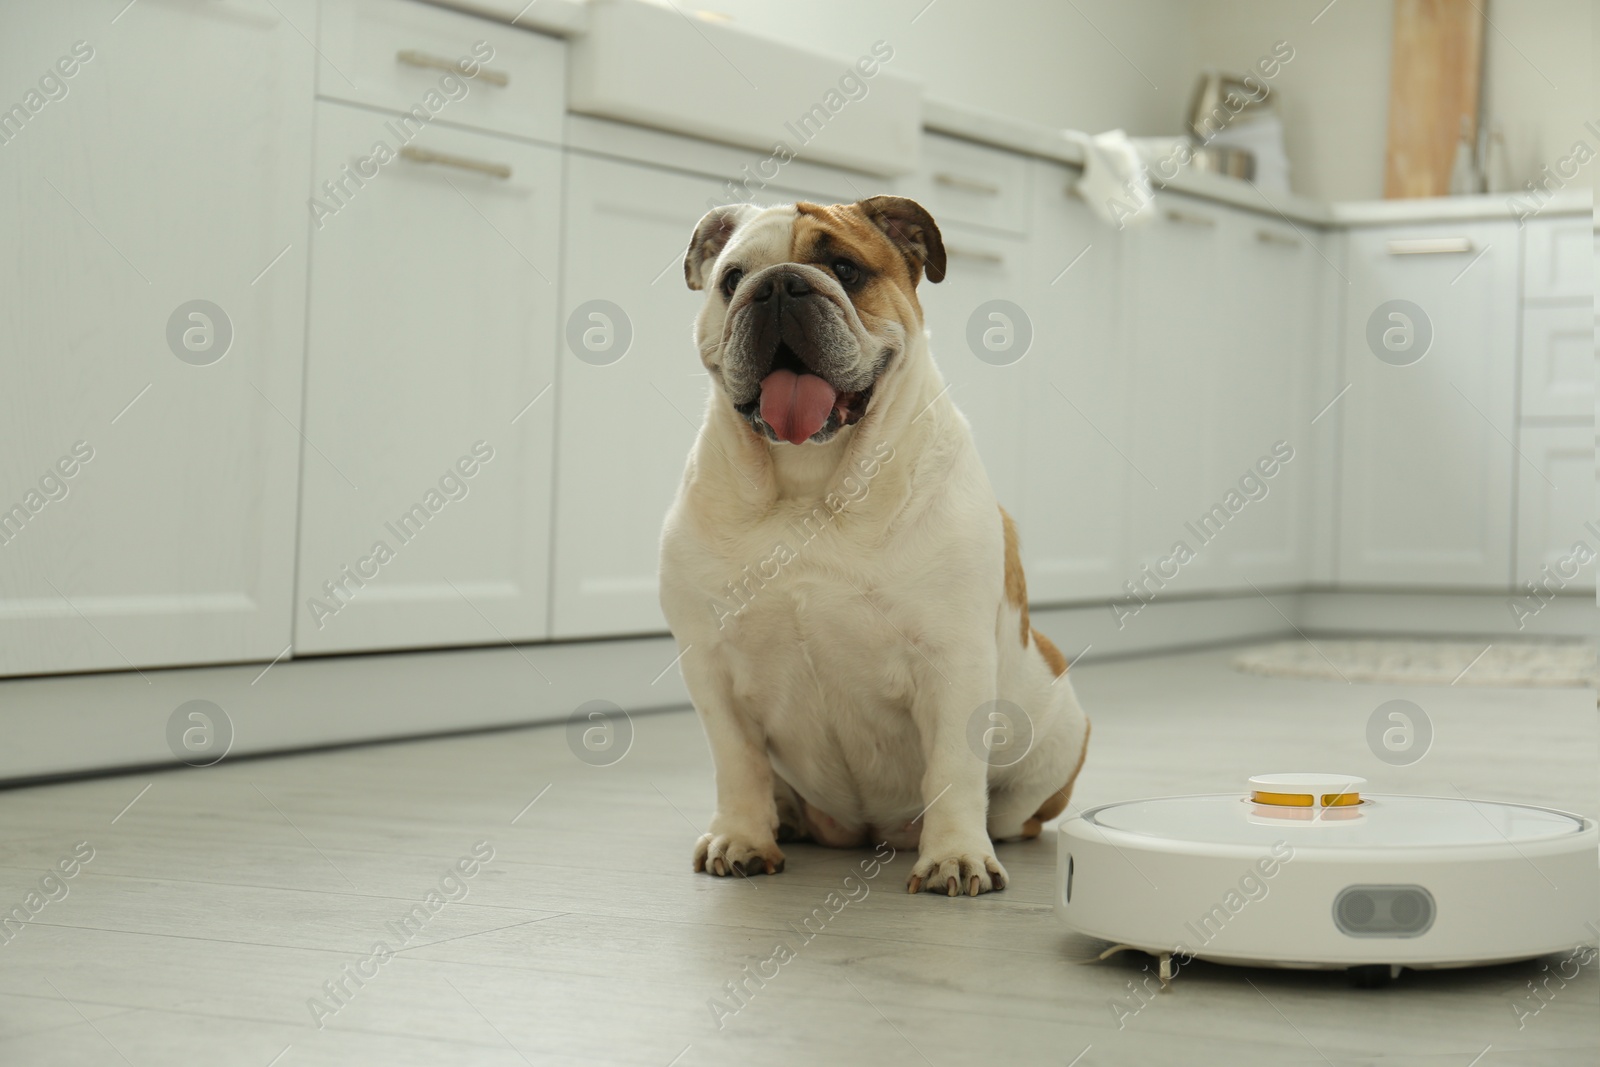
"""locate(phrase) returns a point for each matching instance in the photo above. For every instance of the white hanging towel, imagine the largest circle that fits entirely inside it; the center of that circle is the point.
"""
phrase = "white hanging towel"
(1115, 182)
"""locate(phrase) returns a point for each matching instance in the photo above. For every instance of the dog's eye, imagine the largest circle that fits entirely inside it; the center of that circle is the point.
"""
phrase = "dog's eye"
(847, 272)
(730, 281)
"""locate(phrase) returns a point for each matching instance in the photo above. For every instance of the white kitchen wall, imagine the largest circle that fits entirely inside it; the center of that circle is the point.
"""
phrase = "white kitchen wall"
(1336, 90)
(1537, 69)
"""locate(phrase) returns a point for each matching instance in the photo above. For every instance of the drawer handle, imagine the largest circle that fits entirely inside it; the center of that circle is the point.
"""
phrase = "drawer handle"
(974, 253)
(427, 155)
(1273, 237)
(412, 58)
(966, 185)
(1429, 246)
(1189, 219)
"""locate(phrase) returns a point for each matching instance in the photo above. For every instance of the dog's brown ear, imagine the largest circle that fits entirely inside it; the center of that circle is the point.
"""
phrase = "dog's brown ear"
(908, 224)
(711, 236)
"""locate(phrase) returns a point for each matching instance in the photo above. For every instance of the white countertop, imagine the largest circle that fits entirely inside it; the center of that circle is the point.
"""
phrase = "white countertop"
(1017, 135)
(559, 18)
(570, 18)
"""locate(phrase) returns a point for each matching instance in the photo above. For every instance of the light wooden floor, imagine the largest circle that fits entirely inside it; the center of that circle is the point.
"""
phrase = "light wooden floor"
(222, 899)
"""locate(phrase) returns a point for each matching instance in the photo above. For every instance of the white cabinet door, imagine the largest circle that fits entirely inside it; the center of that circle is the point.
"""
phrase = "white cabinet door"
(1076, 444)
(1557, 527)
(1271, 330)
(1223, 335)
(167, 167)
(982, 339)
(1172, 277)
(429, 420)
(629, 409)
(1430, 353)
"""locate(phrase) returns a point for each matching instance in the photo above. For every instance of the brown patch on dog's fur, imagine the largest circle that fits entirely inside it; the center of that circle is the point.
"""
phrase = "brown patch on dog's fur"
(912, 230)
(1056, 802)
(824, 234)
(1052, 654)
(1017, 597)
(1016, 583)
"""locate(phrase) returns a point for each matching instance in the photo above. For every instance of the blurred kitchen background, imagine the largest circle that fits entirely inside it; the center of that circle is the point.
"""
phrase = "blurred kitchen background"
(345, 361)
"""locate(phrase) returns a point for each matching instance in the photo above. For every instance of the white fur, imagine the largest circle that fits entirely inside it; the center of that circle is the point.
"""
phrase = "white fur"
(853, 671)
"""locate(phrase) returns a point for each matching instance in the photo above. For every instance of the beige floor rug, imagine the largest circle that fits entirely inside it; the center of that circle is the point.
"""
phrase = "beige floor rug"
(1412, 661)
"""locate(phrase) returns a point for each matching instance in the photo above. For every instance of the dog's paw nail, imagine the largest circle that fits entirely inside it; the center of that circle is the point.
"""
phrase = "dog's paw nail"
(915, 885)
(972, 886)
(951, 888)
(718, 868)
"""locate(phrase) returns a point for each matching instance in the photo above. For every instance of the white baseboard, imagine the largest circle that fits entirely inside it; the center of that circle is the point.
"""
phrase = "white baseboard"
(96, 722)
(87, 722)
(1464, 614)
(1096, 631)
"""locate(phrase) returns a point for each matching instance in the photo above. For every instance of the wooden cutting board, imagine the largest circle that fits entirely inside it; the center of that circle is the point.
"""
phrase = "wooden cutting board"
(1433, 80)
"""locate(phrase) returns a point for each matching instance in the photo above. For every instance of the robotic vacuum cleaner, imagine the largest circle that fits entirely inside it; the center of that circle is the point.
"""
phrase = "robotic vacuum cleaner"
(1305, 871)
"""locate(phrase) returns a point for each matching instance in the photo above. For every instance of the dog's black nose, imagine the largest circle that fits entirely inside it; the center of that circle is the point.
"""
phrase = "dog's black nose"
(794, 285)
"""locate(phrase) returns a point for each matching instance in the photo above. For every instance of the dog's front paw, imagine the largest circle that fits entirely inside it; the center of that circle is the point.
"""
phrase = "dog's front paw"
(723, 854)
(956, 870)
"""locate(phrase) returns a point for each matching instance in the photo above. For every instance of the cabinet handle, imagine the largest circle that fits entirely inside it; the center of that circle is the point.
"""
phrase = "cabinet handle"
(1273, 237)
(412, 58)
(1429, 246)
(966, 185)
(973, 253)
(427, 155)
(1191, 220)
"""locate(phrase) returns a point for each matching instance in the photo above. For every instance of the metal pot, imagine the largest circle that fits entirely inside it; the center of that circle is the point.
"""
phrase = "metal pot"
(1229, 160)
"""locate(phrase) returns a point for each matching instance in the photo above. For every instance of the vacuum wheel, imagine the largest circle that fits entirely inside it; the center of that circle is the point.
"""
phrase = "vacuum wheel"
(1373, 975)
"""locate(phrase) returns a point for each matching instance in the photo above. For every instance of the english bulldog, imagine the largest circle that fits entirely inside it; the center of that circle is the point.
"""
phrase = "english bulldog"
(845, 591)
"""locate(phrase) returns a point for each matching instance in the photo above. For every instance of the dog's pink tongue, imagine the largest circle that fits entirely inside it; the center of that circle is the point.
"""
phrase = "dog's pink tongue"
(796, 405)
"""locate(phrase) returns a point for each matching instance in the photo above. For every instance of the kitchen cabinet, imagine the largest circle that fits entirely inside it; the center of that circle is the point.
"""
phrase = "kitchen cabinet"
(151, 332)
(1075, 407)
(1220, 333)
(429, 417)
(1429, 350)
(1556, 517)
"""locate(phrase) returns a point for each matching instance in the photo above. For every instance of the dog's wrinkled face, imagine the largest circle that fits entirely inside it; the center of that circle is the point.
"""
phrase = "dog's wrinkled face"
(807, 306)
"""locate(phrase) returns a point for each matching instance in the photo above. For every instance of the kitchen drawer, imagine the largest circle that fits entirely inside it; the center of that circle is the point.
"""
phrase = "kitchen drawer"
(1560, 260)
(396, 54)
(1555, 508)
(965, 182)
(1558, 361)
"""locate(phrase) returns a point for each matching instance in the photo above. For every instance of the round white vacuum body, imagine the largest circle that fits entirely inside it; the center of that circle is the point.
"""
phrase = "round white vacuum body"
(1306, 872)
